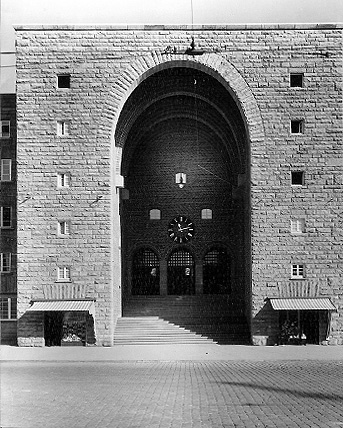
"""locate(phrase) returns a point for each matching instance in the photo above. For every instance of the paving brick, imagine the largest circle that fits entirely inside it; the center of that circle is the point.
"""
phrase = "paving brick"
(172, 394)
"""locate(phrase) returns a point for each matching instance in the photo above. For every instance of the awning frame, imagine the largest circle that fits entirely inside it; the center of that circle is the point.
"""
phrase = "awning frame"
(84, 305)
(302, 304)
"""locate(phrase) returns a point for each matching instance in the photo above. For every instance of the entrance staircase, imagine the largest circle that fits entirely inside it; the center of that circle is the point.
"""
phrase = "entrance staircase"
(182, 319)
(154, 331)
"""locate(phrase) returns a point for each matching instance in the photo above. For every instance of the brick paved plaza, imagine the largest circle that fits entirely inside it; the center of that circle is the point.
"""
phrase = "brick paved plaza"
(171, 394)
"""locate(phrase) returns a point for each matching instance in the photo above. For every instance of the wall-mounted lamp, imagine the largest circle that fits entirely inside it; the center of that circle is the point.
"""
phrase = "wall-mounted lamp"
(180, 179)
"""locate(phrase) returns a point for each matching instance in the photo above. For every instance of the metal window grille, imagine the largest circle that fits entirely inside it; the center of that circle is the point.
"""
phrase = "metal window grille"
(180, 258)
(146, 258)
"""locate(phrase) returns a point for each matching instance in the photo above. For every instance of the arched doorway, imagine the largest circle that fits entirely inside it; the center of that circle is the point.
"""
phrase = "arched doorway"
(145, 273)
(180, 273)
(183, 122)
(216, 272)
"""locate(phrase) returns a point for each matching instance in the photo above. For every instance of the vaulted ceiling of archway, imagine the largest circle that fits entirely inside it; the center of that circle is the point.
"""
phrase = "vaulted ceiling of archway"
(190, 101)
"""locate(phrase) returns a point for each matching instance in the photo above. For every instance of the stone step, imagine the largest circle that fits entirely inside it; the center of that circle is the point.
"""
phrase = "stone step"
(218, 317)
(153, 330)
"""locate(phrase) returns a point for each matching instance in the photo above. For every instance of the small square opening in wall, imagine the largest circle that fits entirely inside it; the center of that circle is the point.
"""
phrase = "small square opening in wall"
(63, 180)
(297, 178)
(296, 80)
(297, 126)
(63, 81)
(155, 214)
(63, 274)
(64, 228)
(298, 225)
(206, 214)
(62, 128)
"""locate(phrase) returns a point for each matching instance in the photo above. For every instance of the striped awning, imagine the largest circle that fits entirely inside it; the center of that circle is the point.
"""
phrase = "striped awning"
(63, 306)
(302, 304)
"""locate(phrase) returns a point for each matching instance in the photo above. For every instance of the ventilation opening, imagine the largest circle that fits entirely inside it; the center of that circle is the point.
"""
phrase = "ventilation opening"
(297, 178)
(297, 126)
(63, 81)
(297, 80)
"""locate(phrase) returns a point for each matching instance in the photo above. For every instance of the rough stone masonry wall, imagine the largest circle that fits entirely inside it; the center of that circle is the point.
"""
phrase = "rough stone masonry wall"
(98, 60)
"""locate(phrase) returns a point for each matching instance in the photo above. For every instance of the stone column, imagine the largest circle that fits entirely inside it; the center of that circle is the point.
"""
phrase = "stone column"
(199, 289)
(163, 278)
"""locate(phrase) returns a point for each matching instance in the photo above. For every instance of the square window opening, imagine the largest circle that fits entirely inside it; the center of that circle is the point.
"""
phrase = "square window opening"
(297, 126)
(206, 214)
(297, 80)
(63, 228)
(62, 128)
(63, 274)
(63, 81)
(63, 180)
(298, 225)
(297, 178)
(298, 271)
(155, 214)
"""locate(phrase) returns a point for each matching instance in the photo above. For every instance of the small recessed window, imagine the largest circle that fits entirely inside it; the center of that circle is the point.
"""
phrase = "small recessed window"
(297, 126)
(4, 129)
(298, 271)
(63, 81)
(296, 80)
(62, 128)
(297, 178)
(298, 225)
(6, 217)
(8, 308)
(206, 214)
(63, 274)
(155, 214)
(5, 262)
(6, 169)
(63, 180)
(64, 228)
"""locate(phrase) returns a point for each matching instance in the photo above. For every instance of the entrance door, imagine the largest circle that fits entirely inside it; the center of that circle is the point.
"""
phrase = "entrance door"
(216, 272)
(181, 278)
(53, 328)
(145, 273)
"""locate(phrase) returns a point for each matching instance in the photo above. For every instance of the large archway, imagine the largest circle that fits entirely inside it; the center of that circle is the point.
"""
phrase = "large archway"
(183, 122)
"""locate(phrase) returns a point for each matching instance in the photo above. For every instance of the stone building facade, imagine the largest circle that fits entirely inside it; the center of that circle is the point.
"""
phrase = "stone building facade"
(8, 241)
(192, 161)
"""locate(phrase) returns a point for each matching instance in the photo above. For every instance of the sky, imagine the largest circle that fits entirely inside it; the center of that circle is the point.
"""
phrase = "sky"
(21, 12)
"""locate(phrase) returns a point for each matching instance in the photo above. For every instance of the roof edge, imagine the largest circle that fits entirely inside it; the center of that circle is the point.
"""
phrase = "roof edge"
(161, 27)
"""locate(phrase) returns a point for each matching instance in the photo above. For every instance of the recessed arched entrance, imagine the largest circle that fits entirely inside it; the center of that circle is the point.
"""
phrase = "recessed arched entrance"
(181, 121)
(145, 273)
